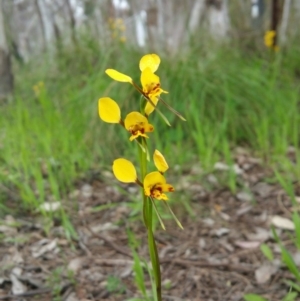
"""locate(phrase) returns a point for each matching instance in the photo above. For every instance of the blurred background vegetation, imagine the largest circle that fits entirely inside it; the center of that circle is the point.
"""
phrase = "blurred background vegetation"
(232, 89)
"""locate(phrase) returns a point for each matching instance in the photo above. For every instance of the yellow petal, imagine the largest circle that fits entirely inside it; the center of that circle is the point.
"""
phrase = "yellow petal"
(157, 192)
(167, 188)
(134, 118)
(151, 61)
(149, 128)
(149, 108)
(124, 171)
(109, 111)
(118, 76)
(152, 179)
(160, 161)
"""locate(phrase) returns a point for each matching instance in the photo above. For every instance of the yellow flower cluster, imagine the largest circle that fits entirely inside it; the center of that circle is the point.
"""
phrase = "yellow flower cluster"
(270, 40)
(154, 182)
(137, 125)
(117, 28)
(38, 88)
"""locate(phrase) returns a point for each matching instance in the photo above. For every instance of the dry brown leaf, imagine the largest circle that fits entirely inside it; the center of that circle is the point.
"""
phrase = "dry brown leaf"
(75, 264)
(261, 235)
(264, 273)
(247, 244)
(282, 223)
(50, 206)
(244, 196)
(43, 246)
(17, 286)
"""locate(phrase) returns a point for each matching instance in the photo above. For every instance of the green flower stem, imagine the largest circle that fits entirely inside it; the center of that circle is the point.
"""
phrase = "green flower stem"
(143, 165)
(148, 215)
(153, 252)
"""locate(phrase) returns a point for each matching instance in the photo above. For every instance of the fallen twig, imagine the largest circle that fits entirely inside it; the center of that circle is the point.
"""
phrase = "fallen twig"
(27, 294)
(110, 243)
(227, 266)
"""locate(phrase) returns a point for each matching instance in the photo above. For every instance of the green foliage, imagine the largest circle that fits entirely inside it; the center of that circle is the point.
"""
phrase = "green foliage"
(139, 274)
(293, 285)
(55, 281)
(230, 97)
(296, 221)
(291, 296)
(267, 251)
(287, 259)
(138, 266)
(253, 297)
(115, 285)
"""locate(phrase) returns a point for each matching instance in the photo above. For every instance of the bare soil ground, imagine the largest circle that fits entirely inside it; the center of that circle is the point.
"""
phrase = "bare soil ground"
(217, 256)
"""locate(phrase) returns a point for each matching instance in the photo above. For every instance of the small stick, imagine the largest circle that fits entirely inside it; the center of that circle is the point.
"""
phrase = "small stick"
(27, 294)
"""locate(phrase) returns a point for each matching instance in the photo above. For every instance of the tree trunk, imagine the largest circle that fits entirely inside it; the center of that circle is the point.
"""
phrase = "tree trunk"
(39, 13)
(218, 18)
(285, 21)
(196, 13)
(46, 22)
(297, 8)
(72, 21)
(6, 77)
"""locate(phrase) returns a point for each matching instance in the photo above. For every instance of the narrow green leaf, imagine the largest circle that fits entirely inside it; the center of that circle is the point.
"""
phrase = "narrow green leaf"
(141, 146)
(296, 220)
(172, 110)
(276, 237)
(153, 286)
(267, 251)
(292, 284)
(157, 214)
(137, 266)
(286, 256)
(139, 273)
(291, 296)
(289, 262)
(153, 256)
(173, 214)
(254, 297)
(164, 118)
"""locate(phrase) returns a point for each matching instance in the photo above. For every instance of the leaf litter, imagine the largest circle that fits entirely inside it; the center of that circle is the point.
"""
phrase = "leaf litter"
(217, 257)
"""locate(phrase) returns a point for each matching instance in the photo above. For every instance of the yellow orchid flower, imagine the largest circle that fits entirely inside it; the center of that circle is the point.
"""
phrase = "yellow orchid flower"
(137, 125)
(151, 89)
(155, 184)
(38, 88)
(269, 40)
(160, 162)
(124, 171)
(150, 61)
(150, 82)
